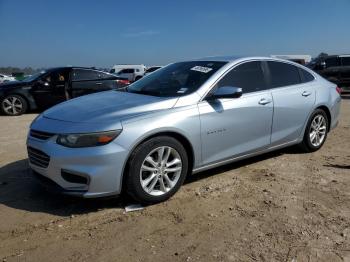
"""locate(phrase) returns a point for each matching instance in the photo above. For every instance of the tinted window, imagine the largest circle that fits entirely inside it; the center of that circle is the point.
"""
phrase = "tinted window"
(346, 61)
(248, 76)
(176, 79)
(84, 74)
(283, 74)
(152, 69)
(127, 71)
(332, 61)
(305, 76)
(106, 76)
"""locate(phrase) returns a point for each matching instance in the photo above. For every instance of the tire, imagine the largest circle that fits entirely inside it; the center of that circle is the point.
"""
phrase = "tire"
(311, 145)
(146, 170)
(14, 105)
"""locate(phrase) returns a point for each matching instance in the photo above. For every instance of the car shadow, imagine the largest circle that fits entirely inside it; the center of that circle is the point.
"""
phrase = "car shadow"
(241, 163)
(20, 190)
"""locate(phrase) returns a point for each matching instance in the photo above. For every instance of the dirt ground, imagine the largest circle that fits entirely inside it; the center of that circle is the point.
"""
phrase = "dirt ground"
(282, 206)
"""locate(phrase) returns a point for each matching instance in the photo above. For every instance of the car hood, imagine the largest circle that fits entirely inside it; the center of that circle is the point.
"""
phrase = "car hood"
(107, 107)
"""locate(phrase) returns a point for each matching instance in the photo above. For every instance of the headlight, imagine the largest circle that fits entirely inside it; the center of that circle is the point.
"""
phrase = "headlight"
(87, 140)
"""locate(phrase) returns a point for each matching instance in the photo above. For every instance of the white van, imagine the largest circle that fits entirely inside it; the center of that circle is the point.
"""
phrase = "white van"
(131, 72)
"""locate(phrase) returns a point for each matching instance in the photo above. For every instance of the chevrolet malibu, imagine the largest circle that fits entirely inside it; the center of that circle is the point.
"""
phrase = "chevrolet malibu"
(182, 119)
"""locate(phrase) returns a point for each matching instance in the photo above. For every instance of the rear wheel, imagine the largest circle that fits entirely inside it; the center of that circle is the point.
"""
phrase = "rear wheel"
(157, 169)
(316, 131)
(14, 105)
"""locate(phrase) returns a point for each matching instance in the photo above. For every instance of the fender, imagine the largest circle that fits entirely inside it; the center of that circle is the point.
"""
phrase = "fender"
(23, 92)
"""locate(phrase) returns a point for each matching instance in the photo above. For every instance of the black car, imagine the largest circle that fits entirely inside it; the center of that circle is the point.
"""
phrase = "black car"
(335, 68)
(50, 87)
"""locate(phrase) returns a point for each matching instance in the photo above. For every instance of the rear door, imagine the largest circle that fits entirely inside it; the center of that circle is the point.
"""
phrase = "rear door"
(88, 81)
(293, 93)
(237, 126)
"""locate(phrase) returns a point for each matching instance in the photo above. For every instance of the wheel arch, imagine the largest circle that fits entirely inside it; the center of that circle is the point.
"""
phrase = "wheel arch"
(176, 135)
(31, 105)
(328, 113)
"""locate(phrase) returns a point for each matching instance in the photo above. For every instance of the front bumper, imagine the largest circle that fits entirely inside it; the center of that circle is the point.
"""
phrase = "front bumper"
(102, 166)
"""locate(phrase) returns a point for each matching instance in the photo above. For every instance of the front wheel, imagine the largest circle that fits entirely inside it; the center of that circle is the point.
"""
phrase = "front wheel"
(157, 169)
(316, 131)
(14, 105)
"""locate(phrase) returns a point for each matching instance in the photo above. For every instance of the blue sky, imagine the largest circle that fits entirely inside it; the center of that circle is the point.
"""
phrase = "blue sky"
(102, 33)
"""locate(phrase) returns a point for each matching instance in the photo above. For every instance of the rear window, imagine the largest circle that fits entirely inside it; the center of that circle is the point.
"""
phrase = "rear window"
(283, 74)
(305, 76)
(106, 76)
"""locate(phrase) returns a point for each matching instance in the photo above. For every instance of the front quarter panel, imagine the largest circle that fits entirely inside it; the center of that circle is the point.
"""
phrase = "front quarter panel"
(183, 121)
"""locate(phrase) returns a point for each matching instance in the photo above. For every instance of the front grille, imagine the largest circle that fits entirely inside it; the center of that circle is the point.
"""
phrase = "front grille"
(40, 135)
(38, 158)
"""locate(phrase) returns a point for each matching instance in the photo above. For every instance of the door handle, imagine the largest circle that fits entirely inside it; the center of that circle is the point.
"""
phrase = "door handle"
(264, 101)
(306, 93)
(98, 83)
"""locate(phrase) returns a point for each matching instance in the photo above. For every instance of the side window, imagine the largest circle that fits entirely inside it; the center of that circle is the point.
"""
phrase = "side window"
(283, 74)
(57, 78)
(84, 74)
(127, 71)
(248, 76)
(305, 76)
(106, 75)
(332, 61)
(345, 61)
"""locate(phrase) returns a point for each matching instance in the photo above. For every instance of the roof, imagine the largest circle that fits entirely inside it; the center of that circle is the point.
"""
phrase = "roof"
(220, 58)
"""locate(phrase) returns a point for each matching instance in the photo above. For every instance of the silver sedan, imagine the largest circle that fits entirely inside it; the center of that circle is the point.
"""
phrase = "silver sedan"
(184, 118)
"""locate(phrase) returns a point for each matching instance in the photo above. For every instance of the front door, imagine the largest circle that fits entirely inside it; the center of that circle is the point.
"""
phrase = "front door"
(238, 126)
(49, 90)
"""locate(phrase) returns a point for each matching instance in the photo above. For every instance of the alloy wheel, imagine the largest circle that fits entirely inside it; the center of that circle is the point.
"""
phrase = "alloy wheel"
(12, 105)
(160, 170)
(318, 130)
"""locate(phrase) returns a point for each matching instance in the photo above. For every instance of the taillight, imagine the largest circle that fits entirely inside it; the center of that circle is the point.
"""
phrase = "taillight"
(339, 90)
(124, 82)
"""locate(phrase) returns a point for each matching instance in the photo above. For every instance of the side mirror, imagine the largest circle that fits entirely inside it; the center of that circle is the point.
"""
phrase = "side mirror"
(323, 65)
(226, 92)
(43, 83)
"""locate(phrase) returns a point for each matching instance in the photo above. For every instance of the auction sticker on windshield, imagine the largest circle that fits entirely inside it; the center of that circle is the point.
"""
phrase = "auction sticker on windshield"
(201, 69)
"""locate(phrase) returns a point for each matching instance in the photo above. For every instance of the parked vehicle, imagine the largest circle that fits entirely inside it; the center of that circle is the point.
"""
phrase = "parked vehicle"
(184, 118)
(151, 69)
(6, 78)
(300, 59)
(53, 86)
(335, 68)
(131, 72)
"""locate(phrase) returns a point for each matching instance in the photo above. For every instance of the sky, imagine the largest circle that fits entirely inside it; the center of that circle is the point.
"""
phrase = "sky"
(156, 32)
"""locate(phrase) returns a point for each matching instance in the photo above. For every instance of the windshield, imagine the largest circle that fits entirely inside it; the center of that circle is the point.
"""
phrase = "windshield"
(33, 77)
(176, 79)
